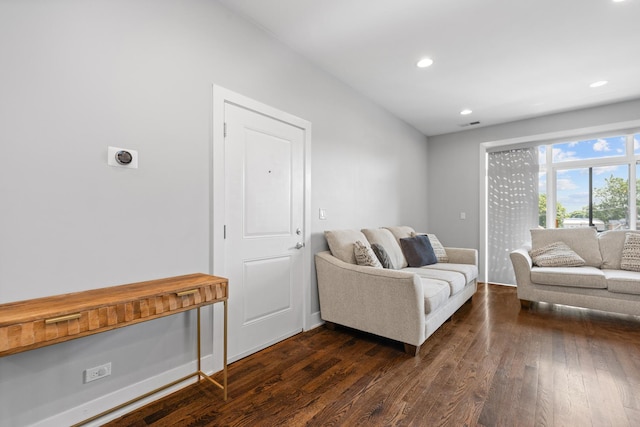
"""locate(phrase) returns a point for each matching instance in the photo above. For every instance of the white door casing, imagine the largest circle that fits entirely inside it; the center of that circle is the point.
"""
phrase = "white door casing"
(260, 200)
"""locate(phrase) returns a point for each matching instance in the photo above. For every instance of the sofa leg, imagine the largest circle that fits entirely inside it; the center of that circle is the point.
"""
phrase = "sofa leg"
(525, 304)
(330, 325)
(411, 350)
(470, 300)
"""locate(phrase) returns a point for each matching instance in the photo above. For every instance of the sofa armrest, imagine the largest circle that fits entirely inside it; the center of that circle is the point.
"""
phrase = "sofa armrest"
(522, 265)
(462, 255)
(384, 302)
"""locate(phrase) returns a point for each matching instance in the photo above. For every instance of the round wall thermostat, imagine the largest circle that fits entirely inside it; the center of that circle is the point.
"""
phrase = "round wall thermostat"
(123, 157)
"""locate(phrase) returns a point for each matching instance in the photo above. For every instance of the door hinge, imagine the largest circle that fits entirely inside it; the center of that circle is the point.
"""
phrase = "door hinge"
(225, 232)
(225, 130)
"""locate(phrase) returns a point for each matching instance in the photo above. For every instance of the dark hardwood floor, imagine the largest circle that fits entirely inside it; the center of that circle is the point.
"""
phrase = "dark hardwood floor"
(492, 365)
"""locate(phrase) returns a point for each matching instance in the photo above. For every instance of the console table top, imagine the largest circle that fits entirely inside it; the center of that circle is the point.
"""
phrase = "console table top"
(56, 305)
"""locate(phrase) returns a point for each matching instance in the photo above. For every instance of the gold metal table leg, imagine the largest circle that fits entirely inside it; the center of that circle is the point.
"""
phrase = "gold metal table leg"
(198, 373)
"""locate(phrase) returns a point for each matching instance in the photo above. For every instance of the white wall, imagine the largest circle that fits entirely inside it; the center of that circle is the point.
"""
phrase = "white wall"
(454, 165)
(78, 76)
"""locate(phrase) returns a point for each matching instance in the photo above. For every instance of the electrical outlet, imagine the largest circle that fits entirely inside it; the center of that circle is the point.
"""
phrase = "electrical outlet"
(98, 372)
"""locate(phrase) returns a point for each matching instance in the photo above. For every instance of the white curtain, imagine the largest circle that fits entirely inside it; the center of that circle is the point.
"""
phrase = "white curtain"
(512, 205)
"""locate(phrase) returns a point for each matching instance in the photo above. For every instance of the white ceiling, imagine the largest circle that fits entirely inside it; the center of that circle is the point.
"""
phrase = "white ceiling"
(504, 59)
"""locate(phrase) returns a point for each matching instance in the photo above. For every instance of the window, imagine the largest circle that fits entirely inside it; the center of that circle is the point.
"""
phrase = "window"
(589, 183)
(589, 149)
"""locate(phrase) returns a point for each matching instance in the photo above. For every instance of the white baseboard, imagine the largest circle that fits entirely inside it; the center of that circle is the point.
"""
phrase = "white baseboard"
(313, 321)
(113, 399)
(234, 358)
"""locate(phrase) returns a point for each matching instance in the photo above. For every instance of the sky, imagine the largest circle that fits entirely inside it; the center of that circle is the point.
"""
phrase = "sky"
(573, 184)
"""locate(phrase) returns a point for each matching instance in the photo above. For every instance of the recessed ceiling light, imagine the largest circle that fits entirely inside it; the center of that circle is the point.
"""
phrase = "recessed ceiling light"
(424, 63)
(466, 112)
(618, 1)
(598, 84)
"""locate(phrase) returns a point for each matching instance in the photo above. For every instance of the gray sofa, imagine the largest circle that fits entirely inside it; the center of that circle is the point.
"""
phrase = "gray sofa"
(405, 304)
(599, 284)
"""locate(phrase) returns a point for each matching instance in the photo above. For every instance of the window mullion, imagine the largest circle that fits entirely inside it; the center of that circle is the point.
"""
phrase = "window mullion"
(633, 215)
(551, 189)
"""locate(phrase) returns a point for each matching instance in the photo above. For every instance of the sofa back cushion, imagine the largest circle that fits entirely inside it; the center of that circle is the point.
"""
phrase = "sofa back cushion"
(611, 245)
(401, 232)
(583, 241)
(341, 243)
(384, 238)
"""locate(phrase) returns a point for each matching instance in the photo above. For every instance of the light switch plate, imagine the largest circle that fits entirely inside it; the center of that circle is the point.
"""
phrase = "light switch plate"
(322, 214)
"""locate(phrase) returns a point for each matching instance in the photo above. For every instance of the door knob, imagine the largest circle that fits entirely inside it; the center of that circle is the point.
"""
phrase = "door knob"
(299, 245)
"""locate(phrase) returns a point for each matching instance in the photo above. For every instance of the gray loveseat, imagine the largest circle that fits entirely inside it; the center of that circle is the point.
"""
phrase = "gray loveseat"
(405, 304)
(599, 284)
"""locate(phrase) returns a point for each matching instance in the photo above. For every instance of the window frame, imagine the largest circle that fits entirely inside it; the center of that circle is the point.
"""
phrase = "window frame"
(629, 159)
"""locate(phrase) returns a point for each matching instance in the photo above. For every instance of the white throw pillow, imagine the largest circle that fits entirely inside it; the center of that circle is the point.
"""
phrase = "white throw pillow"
(556, 254)
(631, 253)
(582, 240)
(365, 255)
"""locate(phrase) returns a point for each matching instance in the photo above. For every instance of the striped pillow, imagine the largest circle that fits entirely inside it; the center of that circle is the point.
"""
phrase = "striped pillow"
(364, 255)
(631, 252)
(556, 254)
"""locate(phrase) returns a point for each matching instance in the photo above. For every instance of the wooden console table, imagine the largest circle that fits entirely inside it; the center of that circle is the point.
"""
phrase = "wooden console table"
(30, 324)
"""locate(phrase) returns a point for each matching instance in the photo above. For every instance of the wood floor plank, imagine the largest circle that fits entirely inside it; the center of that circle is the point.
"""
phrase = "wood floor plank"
(544, 397)
(611, 399)
(492, 365)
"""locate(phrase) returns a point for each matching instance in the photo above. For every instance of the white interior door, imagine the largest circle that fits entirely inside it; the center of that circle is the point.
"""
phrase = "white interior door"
(264, 191)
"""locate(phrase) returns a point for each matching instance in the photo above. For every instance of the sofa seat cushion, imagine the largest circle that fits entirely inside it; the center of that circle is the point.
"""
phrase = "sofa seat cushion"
(470, 271)
(454, 279)
(436, 294)
(622, 281)
(578, 277)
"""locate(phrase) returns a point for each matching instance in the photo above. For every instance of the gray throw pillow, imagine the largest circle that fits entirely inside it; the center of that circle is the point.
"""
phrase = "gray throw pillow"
(438, 249)
(382, 255)
(418, 251)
